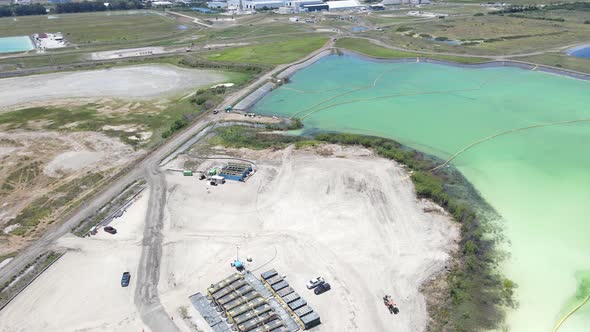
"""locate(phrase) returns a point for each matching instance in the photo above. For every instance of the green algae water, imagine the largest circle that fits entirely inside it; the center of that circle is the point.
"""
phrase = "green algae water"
(538, 180)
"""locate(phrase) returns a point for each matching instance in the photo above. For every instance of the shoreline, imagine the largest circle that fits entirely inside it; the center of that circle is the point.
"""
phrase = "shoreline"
(255, 96)
(571, 50)
(487, 64)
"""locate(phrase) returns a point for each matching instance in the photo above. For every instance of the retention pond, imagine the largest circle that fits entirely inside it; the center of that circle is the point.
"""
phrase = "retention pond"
(15, 44)
(537, 179)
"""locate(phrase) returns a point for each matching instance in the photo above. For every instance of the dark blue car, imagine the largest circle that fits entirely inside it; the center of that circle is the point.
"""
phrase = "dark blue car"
(125, 279)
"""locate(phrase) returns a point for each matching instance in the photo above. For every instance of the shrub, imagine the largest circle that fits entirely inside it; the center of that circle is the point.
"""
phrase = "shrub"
(175, 126)
(200, 100)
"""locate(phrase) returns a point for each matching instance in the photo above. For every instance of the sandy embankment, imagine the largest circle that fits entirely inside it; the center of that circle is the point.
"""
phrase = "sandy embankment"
(133, 82)
(82, 291)
(350, 217)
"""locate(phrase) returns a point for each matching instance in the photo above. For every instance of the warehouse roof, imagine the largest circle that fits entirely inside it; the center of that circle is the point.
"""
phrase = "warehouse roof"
(343, 4)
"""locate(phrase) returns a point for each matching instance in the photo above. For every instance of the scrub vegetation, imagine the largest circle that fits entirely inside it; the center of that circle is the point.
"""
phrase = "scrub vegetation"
(46, 207)
(365, 47)
(252, 138)
(478, 293)
(89, 117)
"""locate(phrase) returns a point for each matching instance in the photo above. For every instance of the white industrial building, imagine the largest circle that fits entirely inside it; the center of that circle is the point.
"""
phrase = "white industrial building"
(343, 5)
(301, 3)
(262, 4)
(405, 2)
(290, 6)
(217, 4)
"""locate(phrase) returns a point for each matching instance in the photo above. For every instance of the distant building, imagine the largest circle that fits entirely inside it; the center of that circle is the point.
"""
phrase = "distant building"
(316, 7)
(405, 2)
(343, 5)
(286, 10)
(161, 3)
(217, 4)
(377, 7)
(262, 4)
(301, 3)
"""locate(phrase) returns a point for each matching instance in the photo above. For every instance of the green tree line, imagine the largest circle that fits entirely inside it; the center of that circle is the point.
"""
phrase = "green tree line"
(71, 7)
(22, 10)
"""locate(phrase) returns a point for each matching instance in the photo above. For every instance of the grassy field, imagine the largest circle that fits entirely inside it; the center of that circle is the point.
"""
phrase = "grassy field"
(274, 53)
(366, 47)
(41, 60)
(91, 28)
(486, 35)
(253, 31)
(567, 15)
(561, 60)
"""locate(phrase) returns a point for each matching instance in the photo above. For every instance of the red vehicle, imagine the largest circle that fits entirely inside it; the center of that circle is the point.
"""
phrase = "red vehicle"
(391, 306)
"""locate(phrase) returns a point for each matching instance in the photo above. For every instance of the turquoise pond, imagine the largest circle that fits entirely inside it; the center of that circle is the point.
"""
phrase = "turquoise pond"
(538, 180)
(15, 44)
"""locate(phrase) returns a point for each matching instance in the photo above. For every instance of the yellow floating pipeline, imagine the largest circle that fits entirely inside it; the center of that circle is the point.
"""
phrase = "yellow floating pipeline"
(341, 94)
(326, 100)
(505, 133)
(564, 318)
(283, 87)
(381, 97)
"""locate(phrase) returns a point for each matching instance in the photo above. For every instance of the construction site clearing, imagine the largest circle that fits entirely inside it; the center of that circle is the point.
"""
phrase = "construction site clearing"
(331, 211)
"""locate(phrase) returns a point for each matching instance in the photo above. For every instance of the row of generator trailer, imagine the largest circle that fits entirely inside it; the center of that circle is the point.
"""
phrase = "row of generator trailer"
(245, 309)
(290, 299)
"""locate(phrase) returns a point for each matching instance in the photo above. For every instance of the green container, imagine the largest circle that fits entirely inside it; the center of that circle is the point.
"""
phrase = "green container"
(212, 171)
(187, 173)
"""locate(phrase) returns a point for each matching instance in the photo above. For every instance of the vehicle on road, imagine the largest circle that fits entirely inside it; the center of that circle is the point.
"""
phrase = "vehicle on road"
(315, 282)
(322, 288)
(110, 229)
(125, 279)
